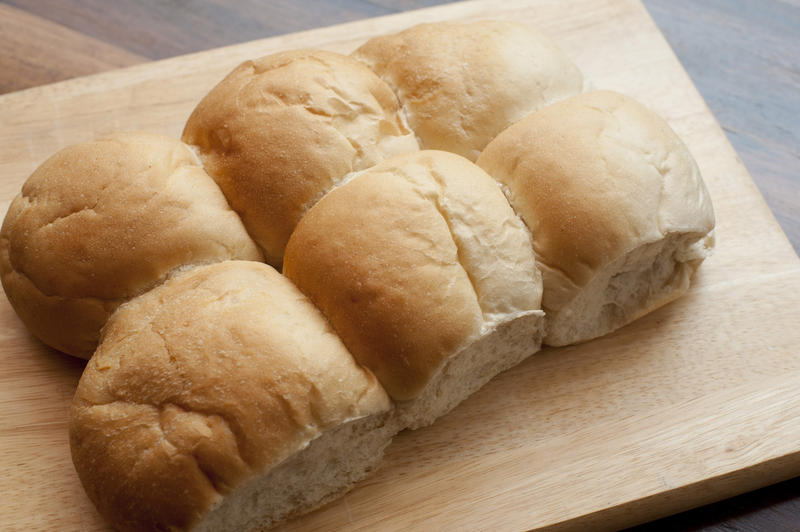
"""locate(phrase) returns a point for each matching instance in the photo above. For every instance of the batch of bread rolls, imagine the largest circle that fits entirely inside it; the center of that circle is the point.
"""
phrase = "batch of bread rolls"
(440, 203)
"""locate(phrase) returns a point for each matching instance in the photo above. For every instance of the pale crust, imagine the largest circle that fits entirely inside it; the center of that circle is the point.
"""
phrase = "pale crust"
(103, 221)
(594, 177)
(215, 376)
(460, 84)
(404, 260)
(379, 262)
(280, 131)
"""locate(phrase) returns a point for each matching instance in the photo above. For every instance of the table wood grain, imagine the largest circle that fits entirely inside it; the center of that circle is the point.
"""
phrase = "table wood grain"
(742, 55)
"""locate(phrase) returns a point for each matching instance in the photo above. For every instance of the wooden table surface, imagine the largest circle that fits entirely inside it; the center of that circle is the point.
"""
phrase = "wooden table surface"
(743, 56)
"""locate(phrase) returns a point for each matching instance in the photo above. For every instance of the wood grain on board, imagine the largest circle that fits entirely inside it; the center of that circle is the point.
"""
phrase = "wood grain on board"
(689, 405)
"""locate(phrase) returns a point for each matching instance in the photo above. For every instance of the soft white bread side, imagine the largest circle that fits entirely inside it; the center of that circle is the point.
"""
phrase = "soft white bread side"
(427, 275)
(280, 131)
(619, 213)
(460, 84)
(222, 400)
(103, 221)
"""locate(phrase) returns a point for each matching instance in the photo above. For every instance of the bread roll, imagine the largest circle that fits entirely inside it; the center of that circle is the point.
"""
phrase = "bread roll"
(103, 221)
(223, 396)
(280, 131)
(460, 84)
(427, 275)
(619, 213)
(222, 400)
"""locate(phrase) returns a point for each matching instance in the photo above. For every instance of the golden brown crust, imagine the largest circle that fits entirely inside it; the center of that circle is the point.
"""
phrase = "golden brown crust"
(215, 376)
(594, 177)
(278, 132)
(102, 221)
(379, 261)
(461, 84)
(407, 261)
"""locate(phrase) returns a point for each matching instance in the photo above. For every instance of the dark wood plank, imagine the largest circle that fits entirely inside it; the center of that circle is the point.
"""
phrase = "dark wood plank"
(37, 51)
(159, 29)
(744, 58)
(774, 509)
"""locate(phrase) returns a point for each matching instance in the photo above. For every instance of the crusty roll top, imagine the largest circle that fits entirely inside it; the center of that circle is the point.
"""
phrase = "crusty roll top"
(410, 261)
(215, 376)
(225, 396)
(460, 84)
(595, 177)
(280, 131)
(103, 221)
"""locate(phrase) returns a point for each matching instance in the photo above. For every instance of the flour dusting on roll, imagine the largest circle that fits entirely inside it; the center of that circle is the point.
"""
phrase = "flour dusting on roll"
(619, 213)
(103, 221)
(427, 275)
(282, 130)
(222, 400)
(460, 84)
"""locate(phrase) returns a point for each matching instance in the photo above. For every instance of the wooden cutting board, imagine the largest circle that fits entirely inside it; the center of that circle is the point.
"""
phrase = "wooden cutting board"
(696, 402)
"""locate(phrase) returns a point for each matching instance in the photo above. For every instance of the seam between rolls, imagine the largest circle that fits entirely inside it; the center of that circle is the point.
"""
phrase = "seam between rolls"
(539, 264)
(111, 305)
(662, 171)
(113, 300)
(198, 153)
(437, 203)
(508, 195)
(403, 111)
